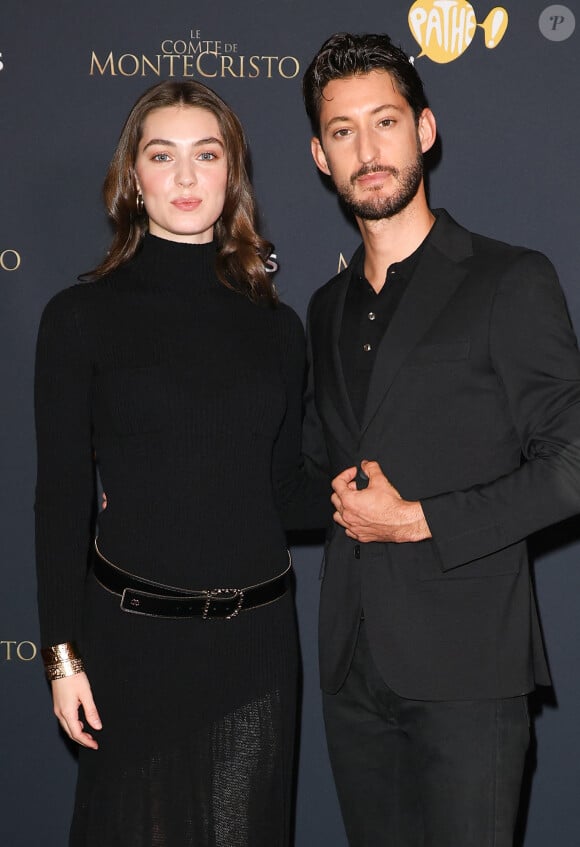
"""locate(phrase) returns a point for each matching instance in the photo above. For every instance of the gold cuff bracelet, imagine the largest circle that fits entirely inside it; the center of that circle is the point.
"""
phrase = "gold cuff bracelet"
(62, 660)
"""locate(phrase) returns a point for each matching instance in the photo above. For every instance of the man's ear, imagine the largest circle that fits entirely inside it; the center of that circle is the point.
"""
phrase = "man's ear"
(426, 129)
(319, 156)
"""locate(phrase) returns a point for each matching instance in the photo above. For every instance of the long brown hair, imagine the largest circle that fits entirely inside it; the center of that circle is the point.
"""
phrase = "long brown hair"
(241, 252)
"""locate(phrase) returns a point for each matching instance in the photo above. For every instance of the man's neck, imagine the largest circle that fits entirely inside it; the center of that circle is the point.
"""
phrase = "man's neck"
(391, 240)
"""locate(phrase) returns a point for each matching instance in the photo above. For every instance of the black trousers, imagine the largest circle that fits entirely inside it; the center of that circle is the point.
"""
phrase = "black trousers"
(412, 773)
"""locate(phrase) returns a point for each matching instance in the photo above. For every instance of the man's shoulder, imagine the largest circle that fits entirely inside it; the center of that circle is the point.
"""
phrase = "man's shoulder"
(489, 259)
(484, 246)
(327, 292)
(329, 289)
(512, 264)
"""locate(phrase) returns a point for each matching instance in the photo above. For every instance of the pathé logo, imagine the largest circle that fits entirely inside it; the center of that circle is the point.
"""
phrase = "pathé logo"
(445, 28)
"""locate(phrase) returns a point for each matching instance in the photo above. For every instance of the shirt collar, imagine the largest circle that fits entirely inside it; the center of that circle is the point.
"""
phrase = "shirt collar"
(405, 268)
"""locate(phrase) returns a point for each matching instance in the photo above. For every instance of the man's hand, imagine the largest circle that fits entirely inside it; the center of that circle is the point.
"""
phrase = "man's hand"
(378, 512)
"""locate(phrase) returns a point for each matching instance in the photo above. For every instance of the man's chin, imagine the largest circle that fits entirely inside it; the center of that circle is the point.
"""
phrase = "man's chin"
(371, 210)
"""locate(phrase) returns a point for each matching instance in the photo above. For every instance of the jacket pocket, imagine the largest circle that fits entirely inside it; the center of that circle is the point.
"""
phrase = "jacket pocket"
(506, 562)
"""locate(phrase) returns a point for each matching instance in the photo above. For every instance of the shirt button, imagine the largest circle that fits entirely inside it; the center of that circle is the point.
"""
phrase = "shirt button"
(372, 316)
(367, 348)
(357, 551)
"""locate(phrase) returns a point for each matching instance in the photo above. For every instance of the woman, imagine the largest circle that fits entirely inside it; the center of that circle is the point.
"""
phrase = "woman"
(176, 373)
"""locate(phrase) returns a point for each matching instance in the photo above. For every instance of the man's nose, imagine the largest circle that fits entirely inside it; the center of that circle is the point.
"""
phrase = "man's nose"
(368, 148)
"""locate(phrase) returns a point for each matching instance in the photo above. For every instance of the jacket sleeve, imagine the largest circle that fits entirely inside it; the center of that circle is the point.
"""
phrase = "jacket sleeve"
(535, 354)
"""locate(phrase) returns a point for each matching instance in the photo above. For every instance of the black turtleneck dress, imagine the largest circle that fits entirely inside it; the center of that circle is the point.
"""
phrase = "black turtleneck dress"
(186, 397)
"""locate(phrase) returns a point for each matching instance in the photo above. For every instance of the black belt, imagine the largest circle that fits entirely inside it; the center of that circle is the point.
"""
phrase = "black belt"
(145, 597)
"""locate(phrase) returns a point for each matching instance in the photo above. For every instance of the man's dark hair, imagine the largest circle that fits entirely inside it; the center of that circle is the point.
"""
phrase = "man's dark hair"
(344, 55)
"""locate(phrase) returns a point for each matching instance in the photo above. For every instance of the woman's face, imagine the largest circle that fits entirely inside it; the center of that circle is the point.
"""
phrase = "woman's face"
(181, 170)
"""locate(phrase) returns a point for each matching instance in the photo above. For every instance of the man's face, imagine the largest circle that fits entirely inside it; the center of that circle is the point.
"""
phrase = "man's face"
(370, 144)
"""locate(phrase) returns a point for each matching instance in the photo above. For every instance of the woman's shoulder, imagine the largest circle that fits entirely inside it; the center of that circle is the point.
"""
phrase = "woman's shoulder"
(288, 332)
(286, 316)
(65, 302)
(75, 309)
(286, 321)
(81, 294)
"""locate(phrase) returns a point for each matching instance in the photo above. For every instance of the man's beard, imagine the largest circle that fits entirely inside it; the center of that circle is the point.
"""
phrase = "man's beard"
(376, 208)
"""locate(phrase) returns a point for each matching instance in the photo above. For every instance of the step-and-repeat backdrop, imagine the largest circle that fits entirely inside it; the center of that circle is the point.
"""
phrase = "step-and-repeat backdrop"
(503, 82)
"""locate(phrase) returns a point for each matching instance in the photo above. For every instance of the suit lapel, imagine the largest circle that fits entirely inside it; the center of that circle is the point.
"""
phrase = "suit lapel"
(436, 278)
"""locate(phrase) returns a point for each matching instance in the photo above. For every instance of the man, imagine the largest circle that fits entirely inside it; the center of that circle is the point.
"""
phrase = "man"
(449, 359)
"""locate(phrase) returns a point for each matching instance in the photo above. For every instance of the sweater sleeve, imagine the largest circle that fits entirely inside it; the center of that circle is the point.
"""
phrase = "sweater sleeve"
(302, 496)
(65, 488)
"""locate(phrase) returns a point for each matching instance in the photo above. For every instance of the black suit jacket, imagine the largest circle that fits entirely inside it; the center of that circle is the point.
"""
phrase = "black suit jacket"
(474, 409)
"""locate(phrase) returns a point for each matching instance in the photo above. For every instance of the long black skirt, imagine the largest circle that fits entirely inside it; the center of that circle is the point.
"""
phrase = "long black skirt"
(197, 744)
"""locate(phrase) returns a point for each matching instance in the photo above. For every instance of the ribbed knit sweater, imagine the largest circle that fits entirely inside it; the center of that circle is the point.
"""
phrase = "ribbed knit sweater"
(187, 398)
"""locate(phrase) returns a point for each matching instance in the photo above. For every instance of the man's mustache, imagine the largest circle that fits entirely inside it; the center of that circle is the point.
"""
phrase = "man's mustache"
(374, 169)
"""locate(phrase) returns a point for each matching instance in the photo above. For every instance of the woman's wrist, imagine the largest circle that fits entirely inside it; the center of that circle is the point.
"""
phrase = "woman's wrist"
(62, 660)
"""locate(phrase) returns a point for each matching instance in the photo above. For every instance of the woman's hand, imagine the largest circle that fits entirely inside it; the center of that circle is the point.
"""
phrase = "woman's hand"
(68, 694)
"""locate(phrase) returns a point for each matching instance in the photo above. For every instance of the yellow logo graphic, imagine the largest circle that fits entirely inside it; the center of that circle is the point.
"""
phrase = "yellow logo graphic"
(445, 28)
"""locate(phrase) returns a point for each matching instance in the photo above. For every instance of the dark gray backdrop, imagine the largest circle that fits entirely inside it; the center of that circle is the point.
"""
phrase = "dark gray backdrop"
(509, 127)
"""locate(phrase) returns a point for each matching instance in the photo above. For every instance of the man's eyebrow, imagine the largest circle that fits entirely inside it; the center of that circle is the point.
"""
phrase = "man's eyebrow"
(381, 108)
(165, 142)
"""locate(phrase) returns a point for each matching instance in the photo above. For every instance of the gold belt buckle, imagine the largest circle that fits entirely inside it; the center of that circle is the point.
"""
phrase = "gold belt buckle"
(220, 595)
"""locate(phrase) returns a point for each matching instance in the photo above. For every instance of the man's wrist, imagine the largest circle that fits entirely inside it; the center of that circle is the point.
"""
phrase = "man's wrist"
(414, 525)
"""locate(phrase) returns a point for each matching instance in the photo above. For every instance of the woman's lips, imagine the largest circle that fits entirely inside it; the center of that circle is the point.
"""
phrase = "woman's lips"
(186, 204)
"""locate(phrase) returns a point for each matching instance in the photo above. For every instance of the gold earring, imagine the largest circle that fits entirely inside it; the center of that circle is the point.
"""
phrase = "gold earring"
(140, 204)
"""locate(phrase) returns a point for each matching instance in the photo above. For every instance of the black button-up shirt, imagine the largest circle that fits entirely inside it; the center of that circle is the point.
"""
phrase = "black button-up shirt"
(365, 320)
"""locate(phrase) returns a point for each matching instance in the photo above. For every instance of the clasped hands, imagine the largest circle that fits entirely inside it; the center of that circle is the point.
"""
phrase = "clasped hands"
(378, 512)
